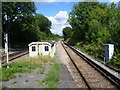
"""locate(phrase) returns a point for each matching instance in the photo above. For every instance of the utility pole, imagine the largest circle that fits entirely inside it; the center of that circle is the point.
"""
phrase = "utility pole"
(6, 47)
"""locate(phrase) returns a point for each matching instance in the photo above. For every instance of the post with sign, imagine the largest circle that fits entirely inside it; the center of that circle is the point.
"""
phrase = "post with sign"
(109, 51)
(6, 48)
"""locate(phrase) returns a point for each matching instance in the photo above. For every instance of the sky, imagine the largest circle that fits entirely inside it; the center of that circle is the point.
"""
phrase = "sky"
(57, 13)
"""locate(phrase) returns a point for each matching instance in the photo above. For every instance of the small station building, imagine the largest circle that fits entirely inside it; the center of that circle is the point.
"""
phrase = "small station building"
(42, 48)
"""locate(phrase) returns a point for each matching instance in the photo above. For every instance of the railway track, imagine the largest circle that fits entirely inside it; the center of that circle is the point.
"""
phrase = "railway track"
(93, 75)
(14, 56)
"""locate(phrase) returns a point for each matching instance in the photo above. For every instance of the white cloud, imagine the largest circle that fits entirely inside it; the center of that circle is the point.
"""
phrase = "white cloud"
(115, 1)
(59, 21)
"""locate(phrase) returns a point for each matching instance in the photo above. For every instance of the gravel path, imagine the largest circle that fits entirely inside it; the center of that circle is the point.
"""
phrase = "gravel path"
(66, 79)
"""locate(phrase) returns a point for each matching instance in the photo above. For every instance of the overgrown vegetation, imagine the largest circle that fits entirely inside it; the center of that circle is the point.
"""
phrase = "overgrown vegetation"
(93, 25)
(115, 62)
(14, 82)
(52, 78)
(92, 49)
(41, 71)
(25, 66)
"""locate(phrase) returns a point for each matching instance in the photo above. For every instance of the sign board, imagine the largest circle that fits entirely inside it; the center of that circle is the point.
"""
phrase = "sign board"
(109, 51)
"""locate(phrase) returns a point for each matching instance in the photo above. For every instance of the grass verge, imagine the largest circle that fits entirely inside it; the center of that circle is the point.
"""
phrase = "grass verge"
(25, 66)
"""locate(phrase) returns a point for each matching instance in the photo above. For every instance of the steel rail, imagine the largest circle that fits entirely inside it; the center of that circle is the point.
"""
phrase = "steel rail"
(15, 56)
(107, 74)
(85, 81)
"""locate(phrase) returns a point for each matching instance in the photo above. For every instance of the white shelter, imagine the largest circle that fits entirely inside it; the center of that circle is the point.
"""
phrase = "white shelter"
(42, 48)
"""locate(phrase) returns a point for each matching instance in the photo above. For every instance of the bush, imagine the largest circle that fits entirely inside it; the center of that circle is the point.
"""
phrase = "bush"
(115, 61)
(96, 50)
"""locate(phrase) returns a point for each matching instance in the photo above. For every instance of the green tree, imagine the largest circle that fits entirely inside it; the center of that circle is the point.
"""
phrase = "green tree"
(67, 32)
(17, 18)
(43, 23)
(15, 12)
(114, 26)
(44, 26)
(79, 18)
(98, 31)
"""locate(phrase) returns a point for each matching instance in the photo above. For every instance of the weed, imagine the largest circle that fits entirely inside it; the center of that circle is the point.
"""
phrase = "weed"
(40, 72)
(40, 82)
(1, 86)
(13, 76)
(14, 82)
(0, 74)
(26, 80)
(20, 75)
(42, 66)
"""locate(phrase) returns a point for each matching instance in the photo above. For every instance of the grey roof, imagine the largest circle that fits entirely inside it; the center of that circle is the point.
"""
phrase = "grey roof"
(49, 41)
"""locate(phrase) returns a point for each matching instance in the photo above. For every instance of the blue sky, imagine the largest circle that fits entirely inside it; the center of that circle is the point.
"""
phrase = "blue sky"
(50, 9)
(57, 13)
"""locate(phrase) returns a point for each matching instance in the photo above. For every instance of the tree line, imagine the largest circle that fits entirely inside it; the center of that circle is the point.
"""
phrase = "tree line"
(24, 25)
(94, 24)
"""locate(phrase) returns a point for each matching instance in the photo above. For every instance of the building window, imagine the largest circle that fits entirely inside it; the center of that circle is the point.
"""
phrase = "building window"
(46, 48)
(33, 48)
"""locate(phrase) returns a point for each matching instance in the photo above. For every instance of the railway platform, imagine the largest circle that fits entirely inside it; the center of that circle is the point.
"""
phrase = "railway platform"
(76, 71)
(66, 79)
